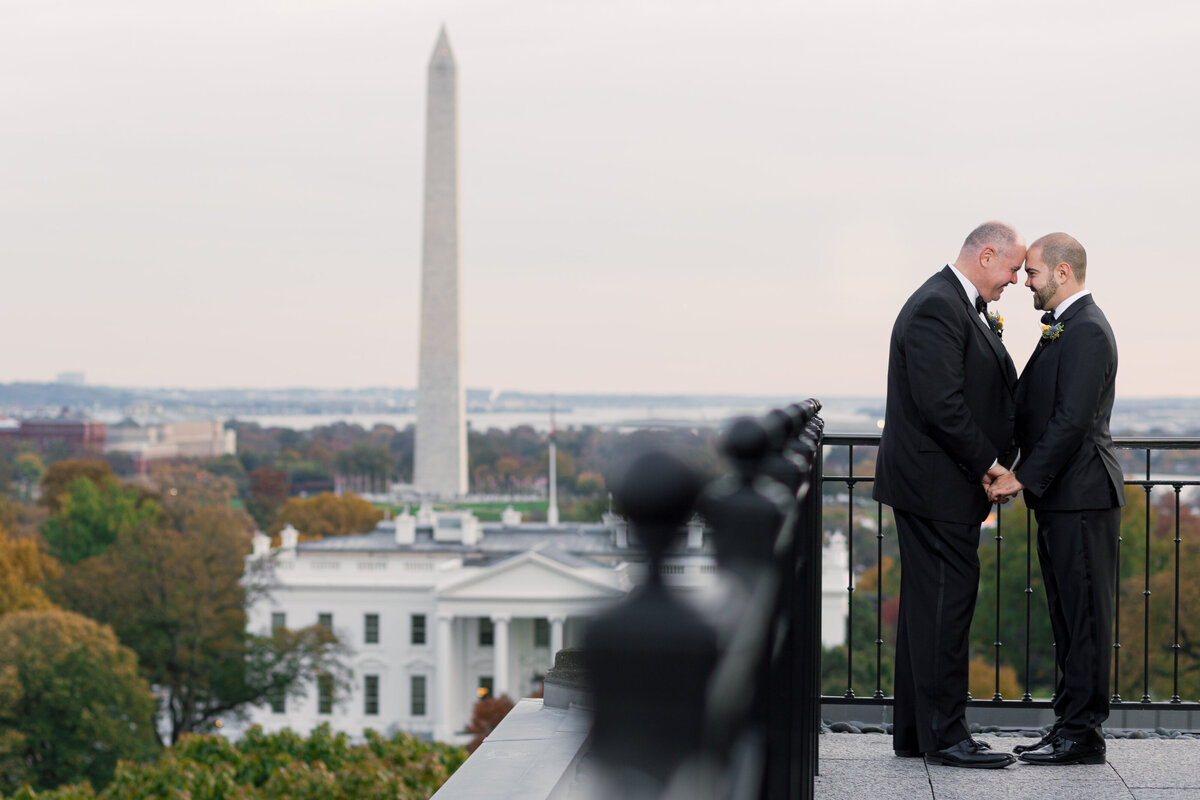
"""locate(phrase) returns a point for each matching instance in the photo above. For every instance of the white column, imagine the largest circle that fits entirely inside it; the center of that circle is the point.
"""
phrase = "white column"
(500, 646)
(556, 637)
(445, 679)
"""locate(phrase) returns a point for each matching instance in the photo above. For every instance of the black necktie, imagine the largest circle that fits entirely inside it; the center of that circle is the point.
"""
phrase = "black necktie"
(981, 305)
(1048, 318)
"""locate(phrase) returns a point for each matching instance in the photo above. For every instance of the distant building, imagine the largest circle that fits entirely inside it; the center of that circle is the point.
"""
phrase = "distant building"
(155, 442)
(439, 609)
(63, 436)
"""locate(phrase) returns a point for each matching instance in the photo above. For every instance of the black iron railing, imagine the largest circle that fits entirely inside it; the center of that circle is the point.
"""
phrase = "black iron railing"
(1151, 562)
(720, 702)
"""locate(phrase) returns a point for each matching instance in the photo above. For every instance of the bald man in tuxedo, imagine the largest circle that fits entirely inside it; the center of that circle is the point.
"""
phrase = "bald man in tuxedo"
(948, 431)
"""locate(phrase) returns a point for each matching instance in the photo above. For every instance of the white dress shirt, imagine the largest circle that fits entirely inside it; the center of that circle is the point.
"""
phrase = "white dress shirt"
(1065, 304)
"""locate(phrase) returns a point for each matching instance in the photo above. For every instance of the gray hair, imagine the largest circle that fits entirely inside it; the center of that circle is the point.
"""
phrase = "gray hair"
(999, 235)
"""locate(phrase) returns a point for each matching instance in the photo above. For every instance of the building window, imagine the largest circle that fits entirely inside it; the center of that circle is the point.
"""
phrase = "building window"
(278, 700)
(417, 696)
(541, 632)
(324, 693)
(486, 685)
(325, 620)
(418, 629)
(371, 629)
(487, 632)
(278, 621)
(371, 695)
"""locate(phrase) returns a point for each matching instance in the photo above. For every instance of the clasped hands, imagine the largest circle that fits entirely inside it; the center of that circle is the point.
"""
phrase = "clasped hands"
(1001, 484)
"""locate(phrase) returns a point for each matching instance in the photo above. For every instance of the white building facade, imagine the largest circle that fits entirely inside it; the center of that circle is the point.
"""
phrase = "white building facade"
(438, 610)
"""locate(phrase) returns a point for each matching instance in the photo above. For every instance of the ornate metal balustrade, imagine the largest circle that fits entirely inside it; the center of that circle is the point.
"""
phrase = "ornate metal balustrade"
(1151, 563)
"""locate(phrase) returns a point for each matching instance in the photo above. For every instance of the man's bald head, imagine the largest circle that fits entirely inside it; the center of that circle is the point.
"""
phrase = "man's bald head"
(1062, 248)
(990, 258)
(995, 234)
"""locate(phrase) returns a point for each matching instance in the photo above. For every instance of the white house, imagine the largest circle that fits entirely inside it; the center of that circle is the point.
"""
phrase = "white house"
(440, 609)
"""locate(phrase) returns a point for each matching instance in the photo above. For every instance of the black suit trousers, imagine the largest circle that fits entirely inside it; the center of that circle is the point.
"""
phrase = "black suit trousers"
(939, 582)
(1078, 554)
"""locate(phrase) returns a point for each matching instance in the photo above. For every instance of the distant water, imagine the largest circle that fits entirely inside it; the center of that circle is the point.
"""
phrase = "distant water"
(1136, 417)
(852, 416)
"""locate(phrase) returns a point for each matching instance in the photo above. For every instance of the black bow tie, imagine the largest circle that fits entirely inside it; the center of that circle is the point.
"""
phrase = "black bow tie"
(1048, 318)
(981, 305)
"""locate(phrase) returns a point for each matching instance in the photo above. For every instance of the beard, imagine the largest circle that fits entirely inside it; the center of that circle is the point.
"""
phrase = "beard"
(1043, 295)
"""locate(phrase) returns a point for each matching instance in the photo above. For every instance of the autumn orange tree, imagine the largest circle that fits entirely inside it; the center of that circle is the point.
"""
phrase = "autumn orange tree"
(22, 570)
(485, 716)
(327, 515)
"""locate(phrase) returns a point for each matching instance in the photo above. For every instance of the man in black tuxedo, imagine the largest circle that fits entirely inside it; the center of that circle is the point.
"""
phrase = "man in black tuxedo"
(1069, 471)
(947, 434)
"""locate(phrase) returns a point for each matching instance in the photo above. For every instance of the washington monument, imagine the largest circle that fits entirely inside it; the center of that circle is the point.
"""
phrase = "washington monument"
(441, 445)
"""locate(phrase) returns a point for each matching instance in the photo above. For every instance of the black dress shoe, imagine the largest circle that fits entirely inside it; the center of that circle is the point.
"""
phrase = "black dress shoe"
(967, 754)
(1067, 751)
(1040, 743)
(908, 754)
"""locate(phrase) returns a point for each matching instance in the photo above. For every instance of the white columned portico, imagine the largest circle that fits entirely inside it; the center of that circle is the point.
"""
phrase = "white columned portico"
(556, 637)
(500, 639)
(445, 680)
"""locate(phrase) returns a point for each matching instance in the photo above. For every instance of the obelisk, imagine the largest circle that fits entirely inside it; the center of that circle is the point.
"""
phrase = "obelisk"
(440, 467)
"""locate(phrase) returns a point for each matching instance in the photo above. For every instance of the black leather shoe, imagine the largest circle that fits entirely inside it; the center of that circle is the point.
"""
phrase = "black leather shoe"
(980, 744)
(1067, 751)
(907, 754)
(1037, 745)
(967, 754)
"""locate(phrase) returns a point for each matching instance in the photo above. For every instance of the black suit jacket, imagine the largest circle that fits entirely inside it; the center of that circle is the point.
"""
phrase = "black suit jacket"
(1064, 401)
(950, 406)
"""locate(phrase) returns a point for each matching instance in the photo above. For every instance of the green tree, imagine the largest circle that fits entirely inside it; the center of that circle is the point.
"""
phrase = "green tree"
(589, 483)
(60, 475)
(27, 471)
(324, 766)
(368, 460)
(91, 516)
(172, 590)
(71, 701)
(1009, 592)
(1147, 622)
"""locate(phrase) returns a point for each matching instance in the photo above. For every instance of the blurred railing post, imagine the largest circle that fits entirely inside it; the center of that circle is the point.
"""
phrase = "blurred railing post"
(723, 704)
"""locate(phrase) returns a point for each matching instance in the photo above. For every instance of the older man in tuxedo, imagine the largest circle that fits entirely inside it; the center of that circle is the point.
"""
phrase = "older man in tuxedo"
(947, 434)
(1069, 471)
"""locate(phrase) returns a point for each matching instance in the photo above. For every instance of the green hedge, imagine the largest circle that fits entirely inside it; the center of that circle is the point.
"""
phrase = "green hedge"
(262, 766)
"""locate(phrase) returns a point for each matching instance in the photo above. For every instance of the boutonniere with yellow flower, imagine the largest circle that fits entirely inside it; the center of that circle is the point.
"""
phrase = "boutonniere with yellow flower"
(1052, 332)
(996, 323)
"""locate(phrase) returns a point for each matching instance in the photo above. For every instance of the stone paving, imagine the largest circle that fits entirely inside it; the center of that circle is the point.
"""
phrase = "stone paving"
(863, 766)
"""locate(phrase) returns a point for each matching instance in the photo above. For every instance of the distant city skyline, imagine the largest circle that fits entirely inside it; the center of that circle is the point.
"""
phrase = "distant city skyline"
(666, 198)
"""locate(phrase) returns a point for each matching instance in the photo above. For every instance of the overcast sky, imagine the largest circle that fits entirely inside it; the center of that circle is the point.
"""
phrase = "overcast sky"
(700, 196)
